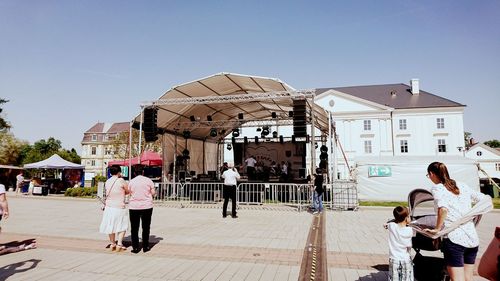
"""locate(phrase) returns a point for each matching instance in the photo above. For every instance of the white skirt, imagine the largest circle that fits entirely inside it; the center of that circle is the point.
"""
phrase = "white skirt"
(114, 220)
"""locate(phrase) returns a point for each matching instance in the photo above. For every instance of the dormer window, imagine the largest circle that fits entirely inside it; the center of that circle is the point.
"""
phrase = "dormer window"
(94, 137)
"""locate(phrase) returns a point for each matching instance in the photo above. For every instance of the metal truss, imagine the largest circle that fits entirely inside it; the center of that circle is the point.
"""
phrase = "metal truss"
(229, 140)
(251, 96)
(233, 123)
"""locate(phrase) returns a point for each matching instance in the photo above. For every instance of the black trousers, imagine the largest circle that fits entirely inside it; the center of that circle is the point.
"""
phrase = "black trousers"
(251, 173)
(143, 216)
(229, 193)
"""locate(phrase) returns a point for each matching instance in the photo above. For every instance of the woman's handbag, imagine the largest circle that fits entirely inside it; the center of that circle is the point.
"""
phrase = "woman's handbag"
(103, 206)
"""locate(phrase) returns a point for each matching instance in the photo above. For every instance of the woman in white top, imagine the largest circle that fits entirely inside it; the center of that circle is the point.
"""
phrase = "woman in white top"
(452, 201)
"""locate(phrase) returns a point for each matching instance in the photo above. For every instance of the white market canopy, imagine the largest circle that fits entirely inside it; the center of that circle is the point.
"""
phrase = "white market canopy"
(53, 162)
(223, 97)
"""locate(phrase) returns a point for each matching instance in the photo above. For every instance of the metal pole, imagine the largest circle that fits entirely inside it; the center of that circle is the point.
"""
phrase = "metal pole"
(313, 137)
(139, 150)
(130, 151)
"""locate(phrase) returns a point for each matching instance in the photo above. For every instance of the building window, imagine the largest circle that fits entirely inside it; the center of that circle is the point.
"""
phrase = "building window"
(94, 137)
(108, 151)
(404, 146)
(497, 166)
(479, 153)
(88, 163)
(441, 145)
(93, 163)
(94, 150)
(402, 124)
(440, 123)
(367, 125)
(368, 146)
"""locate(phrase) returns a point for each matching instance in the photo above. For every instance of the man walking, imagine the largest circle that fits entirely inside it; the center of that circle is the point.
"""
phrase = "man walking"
(230, 179)
(142, 190)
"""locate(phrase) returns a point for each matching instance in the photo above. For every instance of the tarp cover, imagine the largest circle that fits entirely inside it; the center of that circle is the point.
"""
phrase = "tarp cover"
(53, 162)
(407, 174)
(148, 158)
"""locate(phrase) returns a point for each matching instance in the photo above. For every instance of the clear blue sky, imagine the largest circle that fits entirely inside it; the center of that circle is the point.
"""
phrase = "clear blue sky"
(65, 65)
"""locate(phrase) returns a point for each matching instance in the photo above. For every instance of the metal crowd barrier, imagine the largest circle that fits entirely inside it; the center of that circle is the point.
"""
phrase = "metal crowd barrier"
(339, 195)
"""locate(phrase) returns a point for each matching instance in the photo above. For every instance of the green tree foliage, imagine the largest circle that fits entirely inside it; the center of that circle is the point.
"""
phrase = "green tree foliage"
(467, 138)
(493, 143)
(4, 125)
(43, 149)
(10, 149)
(120, 145)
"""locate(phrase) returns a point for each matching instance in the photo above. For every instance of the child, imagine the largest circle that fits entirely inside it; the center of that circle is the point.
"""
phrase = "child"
(400, 263)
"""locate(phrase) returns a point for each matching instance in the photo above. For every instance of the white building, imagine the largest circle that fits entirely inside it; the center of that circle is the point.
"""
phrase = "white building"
(97, 147)
(487, 157)
(393, 120)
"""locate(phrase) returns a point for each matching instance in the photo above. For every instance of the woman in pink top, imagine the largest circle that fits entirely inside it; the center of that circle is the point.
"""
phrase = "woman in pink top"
(142, 190)
(114, 220)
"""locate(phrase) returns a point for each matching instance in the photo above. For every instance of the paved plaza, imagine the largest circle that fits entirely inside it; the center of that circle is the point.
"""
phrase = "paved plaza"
(194, 242)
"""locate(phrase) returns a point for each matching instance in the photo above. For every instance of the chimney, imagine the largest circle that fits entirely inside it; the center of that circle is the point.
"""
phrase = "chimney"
(415, 89)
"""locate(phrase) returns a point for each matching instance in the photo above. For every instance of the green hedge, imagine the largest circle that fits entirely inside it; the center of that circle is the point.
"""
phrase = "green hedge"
(81, 191)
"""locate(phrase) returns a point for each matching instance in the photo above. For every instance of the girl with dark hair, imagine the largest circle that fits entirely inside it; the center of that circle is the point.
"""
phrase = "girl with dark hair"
(452, 201)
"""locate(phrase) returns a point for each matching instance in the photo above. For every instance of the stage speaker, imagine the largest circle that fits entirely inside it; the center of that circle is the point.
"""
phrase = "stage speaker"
(245, 140)
(209, 118)
(233, 140)
(240, 116)
(273, 115)
(275, 134)
(192, 118)
(299, 118)
(302, 173)
(149, 126)
(293, 138)
(290, 113)
(256, 140)
(281, 139)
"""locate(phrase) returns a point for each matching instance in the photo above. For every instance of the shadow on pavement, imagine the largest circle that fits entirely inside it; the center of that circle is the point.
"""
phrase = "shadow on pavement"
(18, 267)
(153, 240)
(381, 275)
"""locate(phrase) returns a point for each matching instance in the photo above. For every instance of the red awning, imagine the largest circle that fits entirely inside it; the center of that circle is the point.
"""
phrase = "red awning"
(148, 158)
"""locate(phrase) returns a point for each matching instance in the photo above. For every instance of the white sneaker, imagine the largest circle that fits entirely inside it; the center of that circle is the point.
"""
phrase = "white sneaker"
(315, 212)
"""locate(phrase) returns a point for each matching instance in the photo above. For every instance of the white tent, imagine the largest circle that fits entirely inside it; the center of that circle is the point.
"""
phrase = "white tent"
(53, 162)
(391, 178)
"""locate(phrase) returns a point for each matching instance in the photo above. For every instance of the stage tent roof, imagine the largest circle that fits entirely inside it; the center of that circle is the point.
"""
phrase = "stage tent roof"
(53, 162)
(171, 116)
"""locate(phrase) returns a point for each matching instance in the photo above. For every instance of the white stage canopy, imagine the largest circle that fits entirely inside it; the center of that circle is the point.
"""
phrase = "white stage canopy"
(174, 117)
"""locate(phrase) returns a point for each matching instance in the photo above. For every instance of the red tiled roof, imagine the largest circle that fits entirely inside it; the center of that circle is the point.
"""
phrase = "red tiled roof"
(97, 128)
(119, 127)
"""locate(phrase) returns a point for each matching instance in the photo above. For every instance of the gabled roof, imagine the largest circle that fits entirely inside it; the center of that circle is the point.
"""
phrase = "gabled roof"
(485, 147)
(397, 96)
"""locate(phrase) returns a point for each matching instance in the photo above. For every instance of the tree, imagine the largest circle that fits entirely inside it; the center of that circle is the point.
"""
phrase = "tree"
(493, 143)
(120, 145)
(70, 155)
(10, 149)
(467, 139)
(4, 125)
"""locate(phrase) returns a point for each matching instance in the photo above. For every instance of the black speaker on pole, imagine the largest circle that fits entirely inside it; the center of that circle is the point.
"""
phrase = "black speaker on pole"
(149, 125)
(256, 140)
(299, 118)
(245, 140)
(293, 138)
(281, 139)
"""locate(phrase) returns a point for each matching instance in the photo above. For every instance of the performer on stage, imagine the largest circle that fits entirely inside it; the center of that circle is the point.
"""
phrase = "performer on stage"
(250, 163)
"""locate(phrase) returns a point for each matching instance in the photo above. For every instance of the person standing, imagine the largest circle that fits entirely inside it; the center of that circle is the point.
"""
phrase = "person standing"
(453, 200)
(4, 206)
(230, 180)
(400, 234)
(250, 163)
(318, 191)
(284, 172)
(142, 191)
(19, 182)
(114, 220)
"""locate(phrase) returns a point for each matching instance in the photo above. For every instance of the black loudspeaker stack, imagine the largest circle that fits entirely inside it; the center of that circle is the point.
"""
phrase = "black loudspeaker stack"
(299, 118)
(149, 126)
